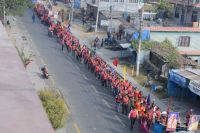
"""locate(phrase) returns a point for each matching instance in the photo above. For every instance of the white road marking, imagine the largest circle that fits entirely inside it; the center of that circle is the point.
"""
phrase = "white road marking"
(120, 120)
(106, 95)
(85, 77)
(94, 88)
(77, 68)
(106, 103)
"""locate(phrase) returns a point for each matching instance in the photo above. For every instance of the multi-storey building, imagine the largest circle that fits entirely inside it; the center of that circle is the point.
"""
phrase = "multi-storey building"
(115, 5)
(186, 12)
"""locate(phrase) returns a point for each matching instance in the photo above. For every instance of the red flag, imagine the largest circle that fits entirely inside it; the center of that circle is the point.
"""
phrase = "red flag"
(115, 62)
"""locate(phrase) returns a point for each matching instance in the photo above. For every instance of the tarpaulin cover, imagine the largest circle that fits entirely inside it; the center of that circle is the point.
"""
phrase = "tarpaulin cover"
(77, 4)
(145, 35)
(181, 81)
(158, 128)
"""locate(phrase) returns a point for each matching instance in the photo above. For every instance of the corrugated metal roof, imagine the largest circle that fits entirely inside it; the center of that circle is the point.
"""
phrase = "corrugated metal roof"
(192, 74)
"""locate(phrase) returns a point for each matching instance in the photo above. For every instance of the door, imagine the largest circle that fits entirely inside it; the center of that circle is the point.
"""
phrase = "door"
(182, 16)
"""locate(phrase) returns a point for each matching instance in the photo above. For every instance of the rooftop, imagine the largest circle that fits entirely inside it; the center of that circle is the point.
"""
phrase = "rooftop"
(193, 49)
(192, 74)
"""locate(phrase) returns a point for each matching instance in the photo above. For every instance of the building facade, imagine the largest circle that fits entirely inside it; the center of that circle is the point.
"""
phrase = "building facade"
(186, 12)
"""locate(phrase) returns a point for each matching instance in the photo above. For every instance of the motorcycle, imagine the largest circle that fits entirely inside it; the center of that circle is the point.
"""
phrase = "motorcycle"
(90, 28)
(45, 74)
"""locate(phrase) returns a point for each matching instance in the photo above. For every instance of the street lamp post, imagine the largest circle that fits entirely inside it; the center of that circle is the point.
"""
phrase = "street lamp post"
(140, 41)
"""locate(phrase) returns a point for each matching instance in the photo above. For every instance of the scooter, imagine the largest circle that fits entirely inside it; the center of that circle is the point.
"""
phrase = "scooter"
(45, 74)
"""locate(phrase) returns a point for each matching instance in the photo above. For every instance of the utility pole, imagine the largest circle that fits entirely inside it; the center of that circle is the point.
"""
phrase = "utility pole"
(111, 8)
(97, 18)
(72, 12)
(140, 41)
(4, 12)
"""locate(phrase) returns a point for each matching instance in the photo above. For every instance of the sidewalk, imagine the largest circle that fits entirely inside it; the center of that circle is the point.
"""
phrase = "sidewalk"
(22, 40)
(21, 108)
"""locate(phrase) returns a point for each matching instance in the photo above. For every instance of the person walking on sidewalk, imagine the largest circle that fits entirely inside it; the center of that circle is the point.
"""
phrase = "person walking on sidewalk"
(133, 115)
(33, 18)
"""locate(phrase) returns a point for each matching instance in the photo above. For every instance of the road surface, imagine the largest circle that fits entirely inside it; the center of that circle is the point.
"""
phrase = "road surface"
(92, 106)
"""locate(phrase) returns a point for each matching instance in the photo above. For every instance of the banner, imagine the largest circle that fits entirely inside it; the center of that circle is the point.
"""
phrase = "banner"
(194, 87)
(172, 121)
(194, 122)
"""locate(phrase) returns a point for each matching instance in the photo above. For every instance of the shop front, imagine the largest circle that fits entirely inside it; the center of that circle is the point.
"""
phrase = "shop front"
(182, 86)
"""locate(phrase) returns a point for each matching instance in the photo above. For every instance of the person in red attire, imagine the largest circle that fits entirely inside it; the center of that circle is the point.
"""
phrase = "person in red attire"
(133, 115)
(125, 101)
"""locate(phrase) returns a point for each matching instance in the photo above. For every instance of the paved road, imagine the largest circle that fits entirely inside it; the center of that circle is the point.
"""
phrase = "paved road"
(92, 106)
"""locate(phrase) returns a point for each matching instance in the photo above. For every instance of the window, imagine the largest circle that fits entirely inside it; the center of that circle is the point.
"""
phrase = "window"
(122, 1)
(184, 41)
(197, 1)
(177, 12)
(194, 16)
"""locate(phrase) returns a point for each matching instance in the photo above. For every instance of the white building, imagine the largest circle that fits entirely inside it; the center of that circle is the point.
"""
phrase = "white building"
(117, 7)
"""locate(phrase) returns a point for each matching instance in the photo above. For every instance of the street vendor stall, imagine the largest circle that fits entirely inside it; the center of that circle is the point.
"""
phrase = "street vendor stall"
(184, 83)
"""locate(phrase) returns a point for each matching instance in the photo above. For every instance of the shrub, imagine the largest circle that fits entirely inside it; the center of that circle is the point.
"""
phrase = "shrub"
(26, 59)
(55, 107)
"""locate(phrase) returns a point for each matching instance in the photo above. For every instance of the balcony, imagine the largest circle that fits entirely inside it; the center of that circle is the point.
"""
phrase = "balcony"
(182, 2)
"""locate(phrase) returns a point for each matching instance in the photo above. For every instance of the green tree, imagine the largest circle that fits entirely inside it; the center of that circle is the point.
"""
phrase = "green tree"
(164, 49)
(166, 6)
(146, 45)
(171, 55)
(17, 7)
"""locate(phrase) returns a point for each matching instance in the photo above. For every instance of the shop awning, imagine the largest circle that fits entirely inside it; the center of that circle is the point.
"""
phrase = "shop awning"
(177, 78)
(194, 86)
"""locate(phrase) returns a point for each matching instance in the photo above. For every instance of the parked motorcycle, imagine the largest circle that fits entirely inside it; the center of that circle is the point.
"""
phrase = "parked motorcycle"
(90, 28)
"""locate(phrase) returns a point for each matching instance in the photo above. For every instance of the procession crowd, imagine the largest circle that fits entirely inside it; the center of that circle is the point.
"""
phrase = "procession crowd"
(129, 100)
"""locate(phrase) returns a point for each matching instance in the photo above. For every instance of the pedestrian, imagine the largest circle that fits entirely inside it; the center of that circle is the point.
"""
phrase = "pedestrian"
(188, 115)
(125, 102)
(83, 20)
(33, 18)
(133, 115)
(118, 101)
(62, 46)
(102, 42)
(68, 27)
